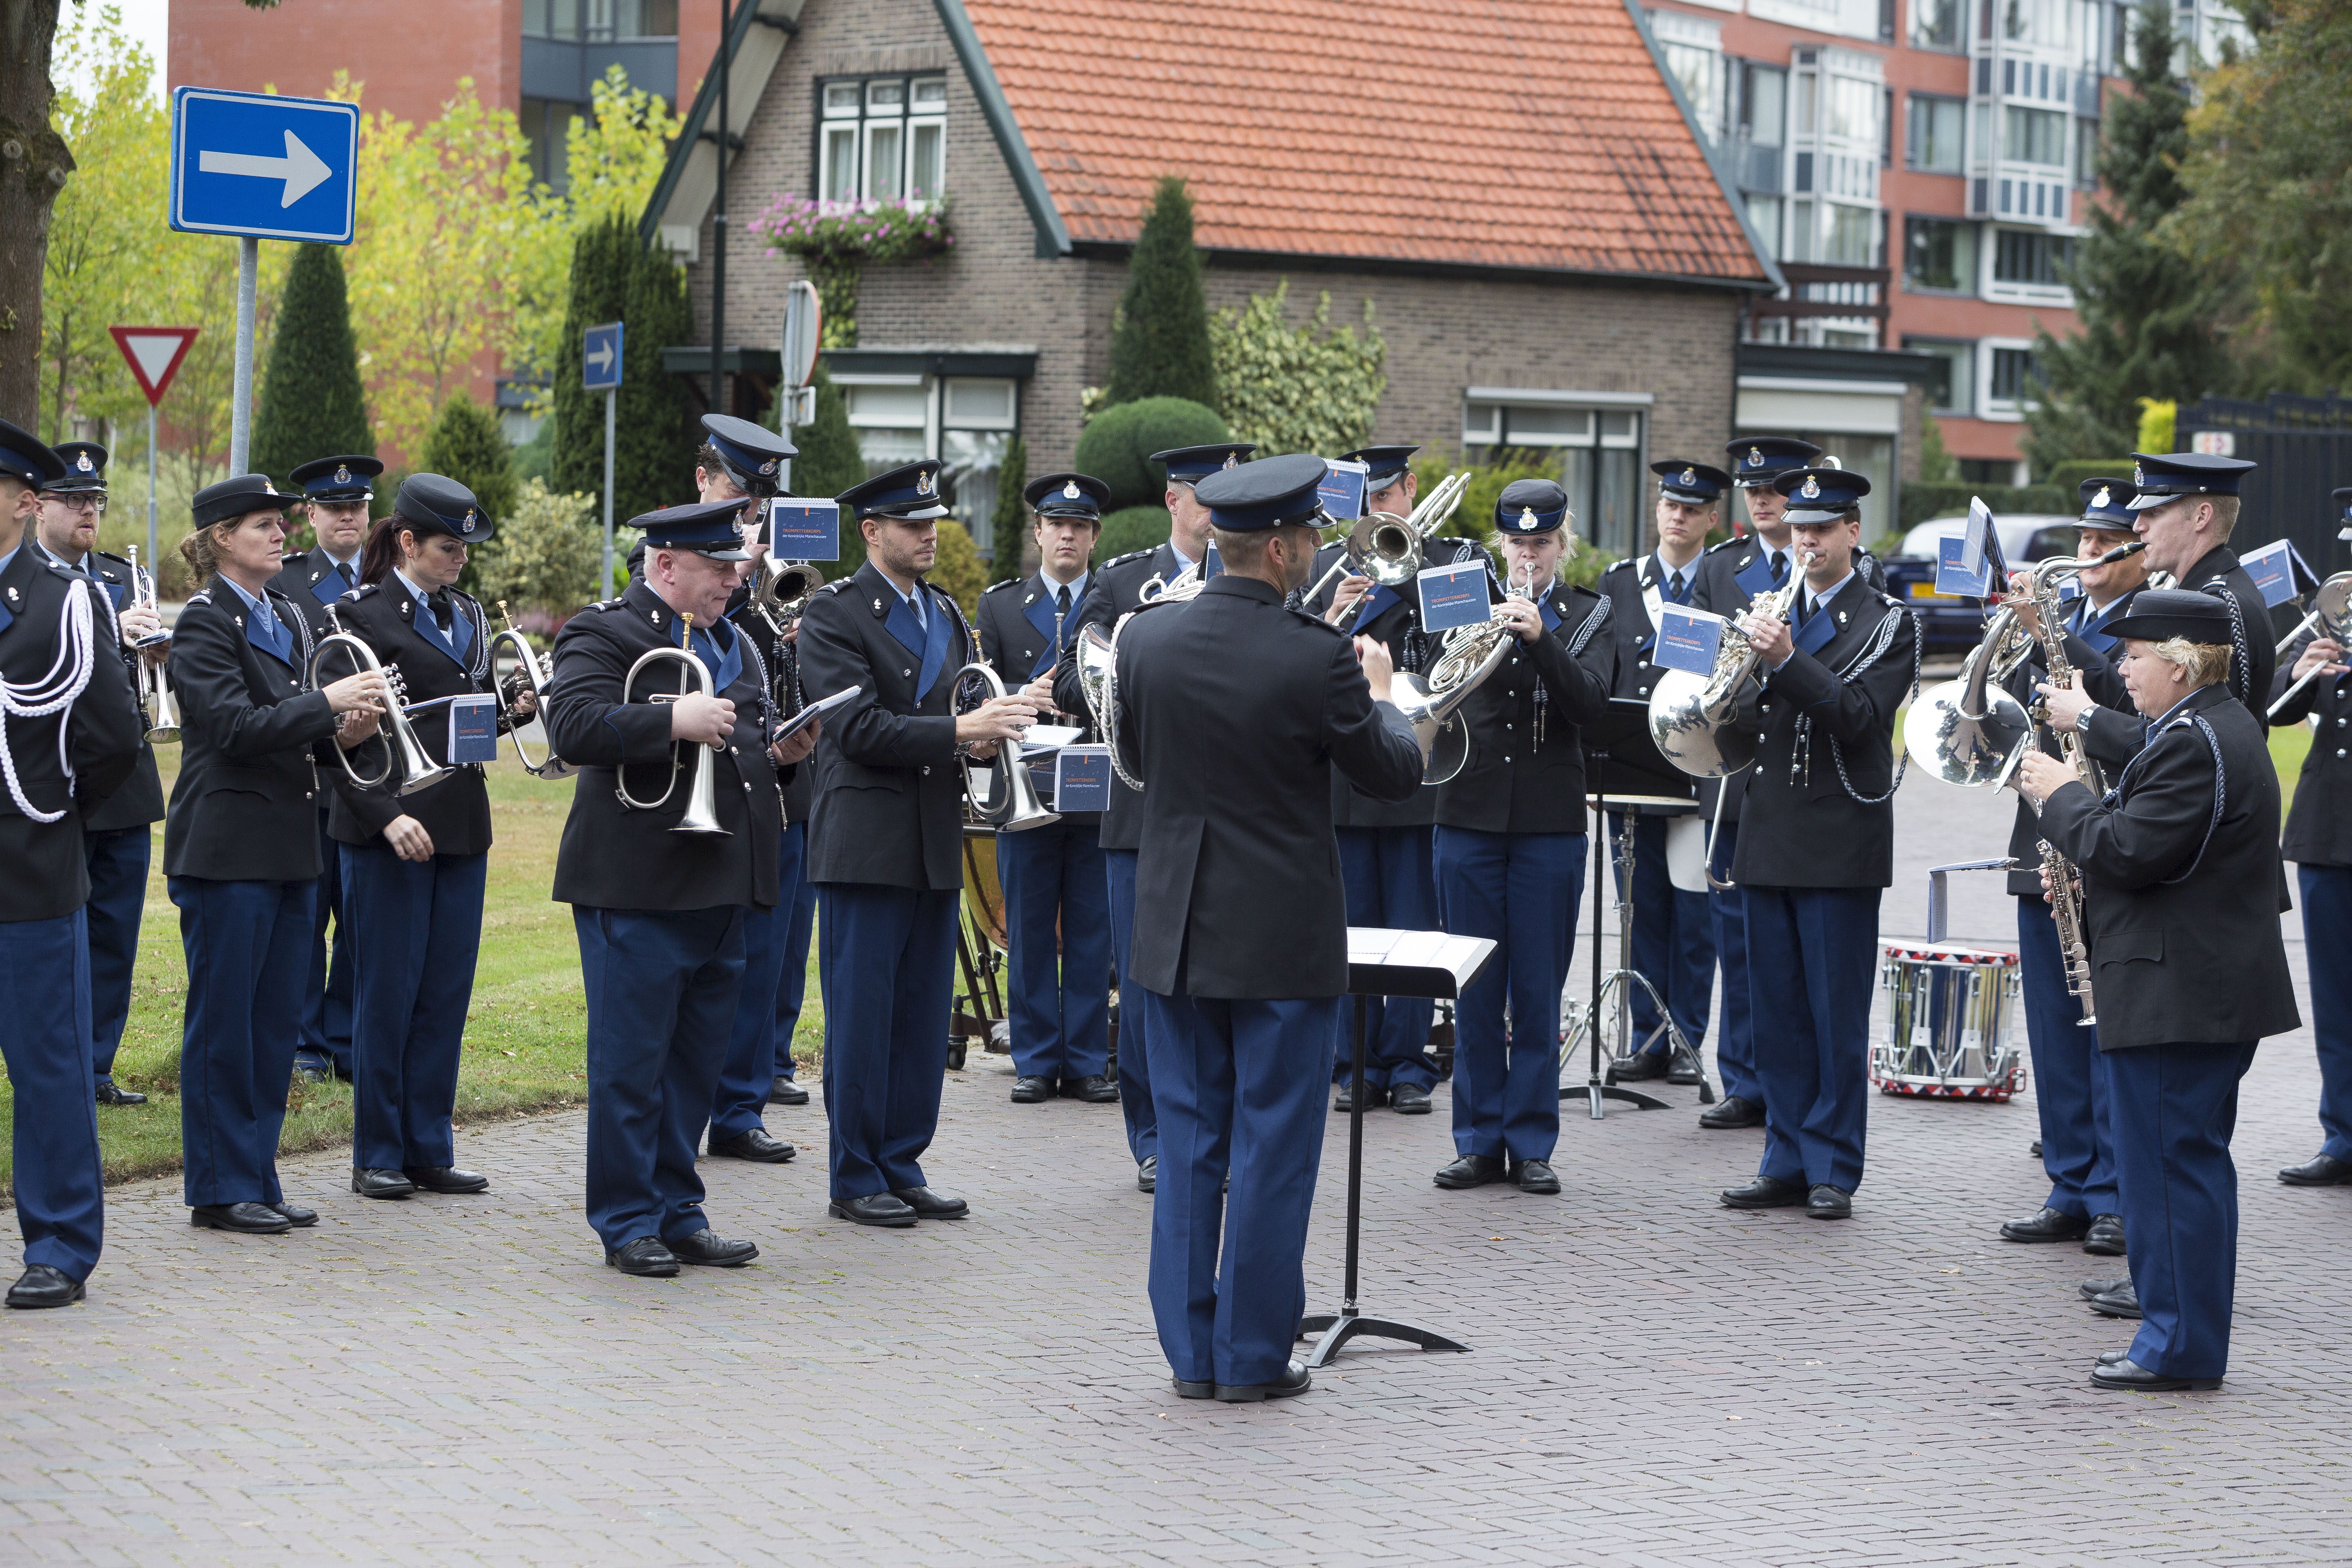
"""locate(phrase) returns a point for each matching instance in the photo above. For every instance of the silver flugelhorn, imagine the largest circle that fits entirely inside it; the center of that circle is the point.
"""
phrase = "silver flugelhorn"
(534, 671)
(1012, 802)
(403, 751)
(701, 803)
(155, 690)
(2328, 608)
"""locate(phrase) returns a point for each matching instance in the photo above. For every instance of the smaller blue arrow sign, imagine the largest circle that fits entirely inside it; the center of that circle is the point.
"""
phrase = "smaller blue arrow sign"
(255, 163)
(600, 357)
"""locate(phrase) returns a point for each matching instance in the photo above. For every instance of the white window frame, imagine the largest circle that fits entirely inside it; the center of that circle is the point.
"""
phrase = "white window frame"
(862, 120)
(2010, 411)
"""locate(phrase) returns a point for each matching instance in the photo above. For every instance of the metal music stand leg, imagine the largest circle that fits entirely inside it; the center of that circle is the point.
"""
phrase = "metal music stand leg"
(1596, 1088)
(1349, 1323)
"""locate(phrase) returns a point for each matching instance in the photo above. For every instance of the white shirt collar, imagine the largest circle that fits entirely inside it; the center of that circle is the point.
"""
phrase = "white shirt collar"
(1077, 585)
(1815, 601)
(251, 602)
(415, 592)
(351, 561)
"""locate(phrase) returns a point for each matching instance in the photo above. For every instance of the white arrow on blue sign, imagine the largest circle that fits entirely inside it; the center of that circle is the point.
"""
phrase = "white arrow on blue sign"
(600, 357)
(255, 163)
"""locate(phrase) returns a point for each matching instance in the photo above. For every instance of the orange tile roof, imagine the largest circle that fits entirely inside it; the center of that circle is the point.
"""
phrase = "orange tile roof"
(1518, 133)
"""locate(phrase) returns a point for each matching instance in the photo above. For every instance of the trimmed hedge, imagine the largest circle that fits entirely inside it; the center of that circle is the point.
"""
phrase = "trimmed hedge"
(1922, 503)
(1116, 445)
(1131, 529)
(2068, 477)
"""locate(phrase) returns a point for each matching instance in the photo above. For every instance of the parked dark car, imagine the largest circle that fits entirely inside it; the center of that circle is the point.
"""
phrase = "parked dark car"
(1954, 625)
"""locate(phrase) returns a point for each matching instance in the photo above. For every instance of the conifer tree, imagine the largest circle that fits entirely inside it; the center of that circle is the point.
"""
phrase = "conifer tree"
(615, 278)
(312, 405)
(1161, 348)
(466, 444)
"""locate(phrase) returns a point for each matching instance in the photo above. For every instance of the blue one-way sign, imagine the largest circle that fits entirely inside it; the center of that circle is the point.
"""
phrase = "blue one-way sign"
(254, 163)
(600, 357)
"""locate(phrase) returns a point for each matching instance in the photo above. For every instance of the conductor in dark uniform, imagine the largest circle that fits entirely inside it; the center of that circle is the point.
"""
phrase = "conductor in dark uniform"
(886, 844)
(1817, 849)
(62, 766)
(1237, 710)
(659, 905)
(1057, 892)
(1510, 849)
(1385, 845)
(117, 836)
(2183, 890)
(1116, 588)
(336, 496)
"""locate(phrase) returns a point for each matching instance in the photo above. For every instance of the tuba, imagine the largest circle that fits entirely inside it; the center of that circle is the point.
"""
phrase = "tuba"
(154, 692)
(701, 815)
(403, 750)
(1690, 715)
(1012, 799)
(1099, 660)
(534, 671)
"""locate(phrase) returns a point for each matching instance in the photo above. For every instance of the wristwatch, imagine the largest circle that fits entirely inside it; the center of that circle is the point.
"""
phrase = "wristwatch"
(2083, 721)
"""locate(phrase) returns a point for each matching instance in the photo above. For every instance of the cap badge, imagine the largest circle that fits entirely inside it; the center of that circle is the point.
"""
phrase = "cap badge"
(81, 461)
(1232, 460)
(769, 466)
(1812, 489)
(1070, 490)
(465, 524)
(2140, 475)
(1754, 457)
(2101, 499)
(343, 473)
(923, 483)
(1690, 476)
(1527, 516)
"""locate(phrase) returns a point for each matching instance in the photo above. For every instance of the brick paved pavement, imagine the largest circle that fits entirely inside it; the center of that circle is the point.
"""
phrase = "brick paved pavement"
(1652, 1379)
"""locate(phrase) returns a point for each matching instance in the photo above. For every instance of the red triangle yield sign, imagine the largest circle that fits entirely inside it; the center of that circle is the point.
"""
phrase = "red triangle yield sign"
(153, 354)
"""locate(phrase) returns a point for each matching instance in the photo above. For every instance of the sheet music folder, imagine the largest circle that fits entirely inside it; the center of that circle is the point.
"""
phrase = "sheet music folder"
(1414, 963)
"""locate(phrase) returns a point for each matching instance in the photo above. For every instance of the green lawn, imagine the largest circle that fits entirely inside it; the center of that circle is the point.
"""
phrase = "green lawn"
(2289, 743)
(523, 1034)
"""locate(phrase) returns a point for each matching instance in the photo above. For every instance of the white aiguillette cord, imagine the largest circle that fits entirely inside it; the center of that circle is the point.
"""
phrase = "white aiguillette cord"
(53, 693)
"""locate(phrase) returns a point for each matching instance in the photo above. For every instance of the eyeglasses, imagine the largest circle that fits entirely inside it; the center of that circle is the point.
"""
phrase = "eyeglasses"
(80, 502)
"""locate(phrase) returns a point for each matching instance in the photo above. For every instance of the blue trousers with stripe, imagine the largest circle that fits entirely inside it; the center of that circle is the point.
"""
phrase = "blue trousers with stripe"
(886, 958)
(417, 928)
(118, 861)
(2070, 1074)
(326, 1019)
(1735, 1036)
(1060, 980)
(245, 944)
(1812, 957)
(1392, 882)
(2327, 928)
(1520, 889)
(2176, 1107)
(1135, 1101)
(1674, 939)
(60, 1192)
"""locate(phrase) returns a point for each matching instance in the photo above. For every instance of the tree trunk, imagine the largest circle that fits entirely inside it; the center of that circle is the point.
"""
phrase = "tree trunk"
(34, 164)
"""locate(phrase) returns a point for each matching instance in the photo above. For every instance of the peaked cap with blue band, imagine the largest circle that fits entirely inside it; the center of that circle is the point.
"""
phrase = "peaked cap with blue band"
(2161, 477)
(2107, 504)
(347, 478)
(232, 499)
(1821, 495)
(1384, 465)
(25, 458)
(706, 527)
(1760, 461)
(85, 464)
(1530, 506)
(2343, 499)
(1273, 493)
(911, 491)
(440, 504)
(753, 456)
(1693, 484)
(1191, 465)
(1068, 495)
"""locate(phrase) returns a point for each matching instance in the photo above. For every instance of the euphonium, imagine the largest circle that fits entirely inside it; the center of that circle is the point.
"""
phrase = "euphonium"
(1013, 803)
(1690, 715)
(1464, 659)
(1099, 660)
(701, 804)
(535, 670)
(155, 690)
(403, 751)
(1969, 731)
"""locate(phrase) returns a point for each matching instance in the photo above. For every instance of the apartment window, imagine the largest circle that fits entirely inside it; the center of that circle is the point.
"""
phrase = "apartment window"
(2033, 136)
(977, 420)
(2013, 375)
(1940, 254)
(2035, 21)
(1694, 51)
(1853, 237)
(1935, 25)
(881, 138)
(600, 21)
(2020, 256)
(1764, 214)
(2086, 153)
(1763, 104)
(544, 122)
(1853, 109)
(1599, 454)
(1951, 389)
(1931, 141)
(1887, 130)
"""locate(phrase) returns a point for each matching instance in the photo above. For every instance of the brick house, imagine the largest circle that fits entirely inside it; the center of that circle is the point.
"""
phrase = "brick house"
(1519, 192)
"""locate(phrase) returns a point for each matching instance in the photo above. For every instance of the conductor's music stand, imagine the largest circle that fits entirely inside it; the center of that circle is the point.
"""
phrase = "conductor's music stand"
(1387, 963)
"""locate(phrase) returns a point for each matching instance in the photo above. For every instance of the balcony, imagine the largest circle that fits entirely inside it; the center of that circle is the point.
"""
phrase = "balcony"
(1755, 169)
(1816, 289)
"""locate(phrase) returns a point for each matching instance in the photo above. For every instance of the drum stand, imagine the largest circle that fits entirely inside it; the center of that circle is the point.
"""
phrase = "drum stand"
(1618, 984)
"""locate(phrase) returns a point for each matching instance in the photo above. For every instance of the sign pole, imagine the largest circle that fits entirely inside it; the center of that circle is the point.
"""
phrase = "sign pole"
(609, 398)
(240, 437)
(150, 488)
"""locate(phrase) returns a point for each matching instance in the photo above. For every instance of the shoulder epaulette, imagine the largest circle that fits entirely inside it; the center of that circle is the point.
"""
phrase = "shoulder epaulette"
(1734, 541)
(1619, 565)
(108, 555)
(838, 585)
(601, 604)
(1130, 555)
(1311, 618)
(1000, 587)
(200, 597)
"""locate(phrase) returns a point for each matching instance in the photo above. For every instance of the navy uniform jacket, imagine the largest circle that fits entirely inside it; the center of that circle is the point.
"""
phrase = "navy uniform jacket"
(252, 740)
(890, 792)
(1801, 826)
(1116, 588)
(1238, 711)
(2183, 884)
(1016, 639)
(312, 582)
(2113, 737)
(1509, 784)
(2095, 656)
(46, 874)
(140, 800)
(617, 859)
(2319, 825)
(1391, 616)
(456, 811)
(783, 662)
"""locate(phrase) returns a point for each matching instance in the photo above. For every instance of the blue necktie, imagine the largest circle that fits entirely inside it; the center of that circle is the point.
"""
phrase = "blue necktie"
(1678, 588)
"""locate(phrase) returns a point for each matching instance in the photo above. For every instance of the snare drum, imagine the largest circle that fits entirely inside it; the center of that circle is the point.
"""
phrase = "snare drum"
(1948, 1023)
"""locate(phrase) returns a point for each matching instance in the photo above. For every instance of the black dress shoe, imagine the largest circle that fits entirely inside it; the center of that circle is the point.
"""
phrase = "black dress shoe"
(874, 1209)
(2109, 1358)
(42, 1286)
(928, 1204)
(2093, 1288)
(1374, 1097)
(311, 1069)
(446, 1179)
(1187, 1389)
(1095, 1089)
(2129, 1374)
(1295, 1380)
(755, 1145)
(644, 1257)
(784, 1091)
(2319, 1171)
(1409, 1100)
(2106, 1237)
(297, 1216)
(1680, 1071)
(2047, 1225)
(107, 1094)
(1470, 1171)
(1146, 1174)
(1640, 1068)
(1765, 1193)
(1734, 1110)
(1032, 1090)
(250, 1219)
(709, 1249)
(1536, 1176)
(381, 1183)
(2121, 1303)
(1826, 1201)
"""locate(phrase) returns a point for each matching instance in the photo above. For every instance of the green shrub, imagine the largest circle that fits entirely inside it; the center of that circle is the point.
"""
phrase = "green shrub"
(1130, 528)
(2068, 477)
(1922, 503)
(1117, 443)
(958, 569)
(1308, 388)
(1159, 343)
(544, 556)
(466, 444)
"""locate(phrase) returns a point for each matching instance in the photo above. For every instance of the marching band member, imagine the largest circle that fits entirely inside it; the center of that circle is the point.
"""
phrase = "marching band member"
(1237, 710)
(1115, 589)
(116, 838)
(1673, 945)
(1731, 576)
(1054, 877)
(65, 757)
(240, 856)
(336, 494)
(2319, 841)
(1384, 846)
(1818, 851)
(1510, 849)
(2070, 1078)
(2183, 888)
(740, 459)
(885, 843)
(414, 867)
(659, 911)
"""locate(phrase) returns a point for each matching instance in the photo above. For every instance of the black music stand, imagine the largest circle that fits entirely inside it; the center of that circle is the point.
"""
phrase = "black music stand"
(1387, 963)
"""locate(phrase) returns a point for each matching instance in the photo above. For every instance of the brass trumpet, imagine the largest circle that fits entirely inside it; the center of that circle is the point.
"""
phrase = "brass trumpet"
(403, 751)
(154, 692)
(701, 813)
(535, 670)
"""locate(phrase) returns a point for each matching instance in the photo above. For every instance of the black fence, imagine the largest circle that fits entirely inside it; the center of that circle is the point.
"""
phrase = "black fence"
(2305, 447)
